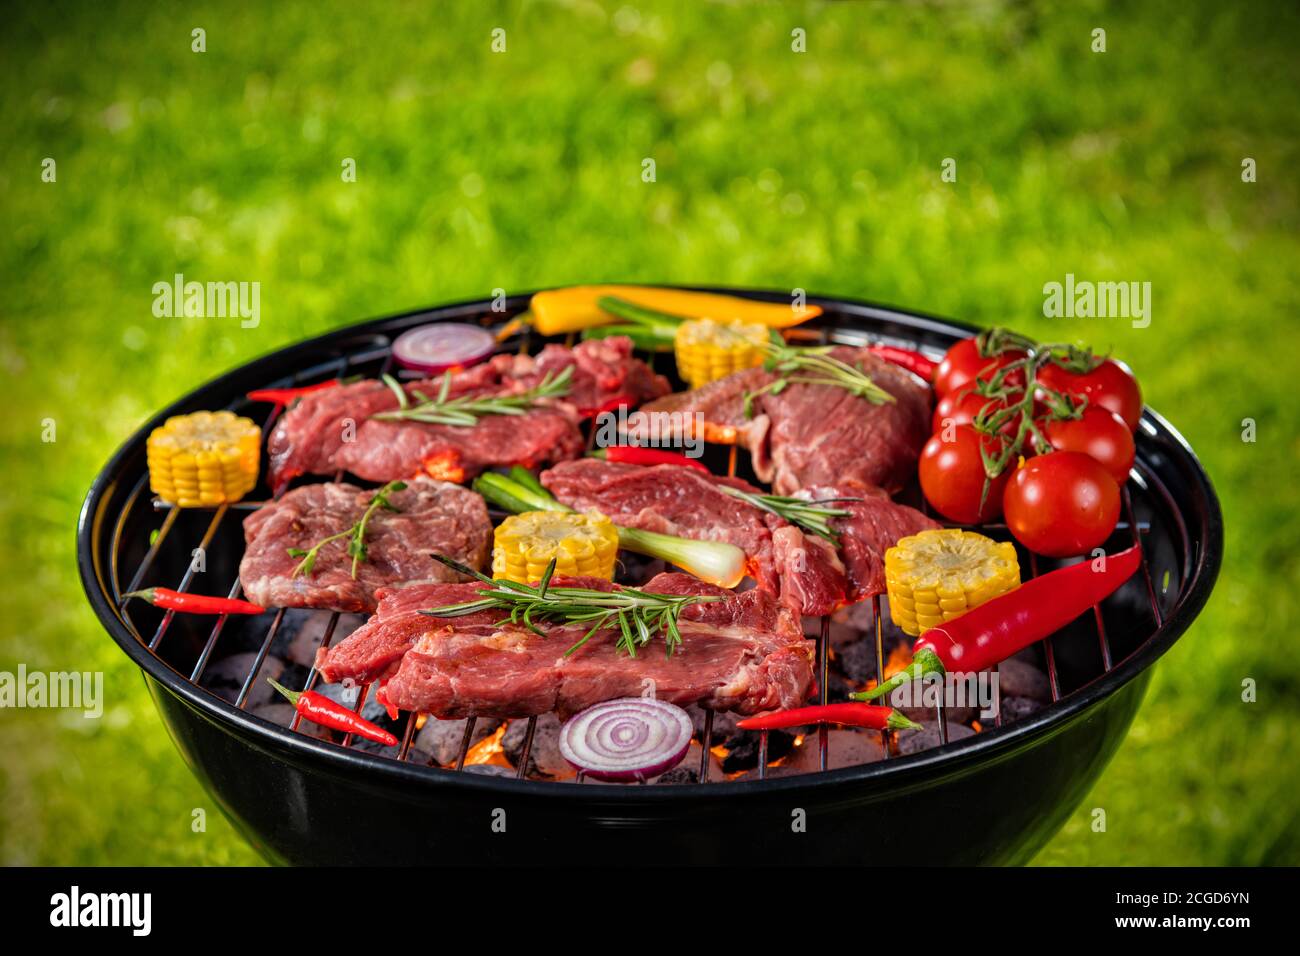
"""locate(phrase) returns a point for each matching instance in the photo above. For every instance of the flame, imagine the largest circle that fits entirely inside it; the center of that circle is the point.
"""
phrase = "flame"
(720, 434)
(445, 466)
(489, 750)
(899, 658)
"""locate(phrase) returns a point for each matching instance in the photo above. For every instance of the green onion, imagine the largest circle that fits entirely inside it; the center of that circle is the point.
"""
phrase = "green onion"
(714, 562)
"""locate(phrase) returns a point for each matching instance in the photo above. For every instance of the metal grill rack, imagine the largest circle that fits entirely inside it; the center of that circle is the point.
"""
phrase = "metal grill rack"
(374, 356)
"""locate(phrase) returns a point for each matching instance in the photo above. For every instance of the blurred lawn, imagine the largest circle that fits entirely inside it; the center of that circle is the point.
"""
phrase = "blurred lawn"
(478, 170)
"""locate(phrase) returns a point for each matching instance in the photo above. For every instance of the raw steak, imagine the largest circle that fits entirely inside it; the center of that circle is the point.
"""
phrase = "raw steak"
(808, 434)
(744, 653)
(672, 499)
(875, 525)
(332, 429)
(433, 516)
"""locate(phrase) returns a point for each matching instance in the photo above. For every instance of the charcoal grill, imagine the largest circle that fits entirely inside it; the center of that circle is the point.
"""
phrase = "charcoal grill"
(995, 797)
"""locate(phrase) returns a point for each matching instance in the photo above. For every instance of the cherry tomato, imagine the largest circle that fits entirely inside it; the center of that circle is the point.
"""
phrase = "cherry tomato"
(1110, 385)
(960, 408)
(1099, 433)
(952, 476)
(962, 364)
(1061, 504)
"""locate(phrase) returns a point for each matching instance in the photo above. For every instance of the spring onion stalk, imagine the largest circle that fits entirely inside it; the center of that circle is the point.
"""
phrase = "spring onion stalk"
(714, 562)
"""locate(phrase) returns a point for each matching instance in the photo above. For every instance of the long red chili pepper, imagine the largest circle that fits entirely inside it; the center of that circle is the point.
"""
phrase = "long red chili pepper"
(850, 715)
(194, 603)
(639, 455)
(610, 405)
(319, 709)
(995, 630)
(908, 359)
(284, 396)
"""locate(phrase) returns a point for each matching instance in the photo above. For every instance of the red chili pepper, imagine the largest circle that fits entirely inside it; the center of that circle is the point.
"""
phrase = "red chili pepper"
(194, 603)
(908, 359)
(381, 698)
(610, 405)
(639, 455)
(851, 715)
(319, 709)
(285, 396)
(992, 632)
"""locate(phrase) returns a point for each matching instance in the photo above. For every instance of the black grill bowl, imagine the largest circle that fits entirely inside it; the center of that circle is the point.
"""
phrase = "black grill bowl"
(995, 797)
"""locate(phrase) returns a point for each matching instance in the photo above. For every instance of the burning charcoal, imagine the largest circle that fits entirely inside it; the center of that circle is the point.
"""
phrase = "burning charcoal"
(914, 741)
(853, 622)
(1013, 708)
(844, 748)
(1017, 678)
(376, 713)
(308, 630)
(226, 676)
(925, 712)
(442, 738)
(724, 724)
(857, 661)
(742, 749)
(544, 757)
(688, 771)
(838, 687)
(489, 770)
(679, 774)
(277, 713)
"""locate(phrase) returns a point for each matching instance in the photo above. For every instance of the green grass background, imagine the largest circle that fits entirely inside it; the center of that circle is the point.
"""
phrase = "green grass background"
(819, 170)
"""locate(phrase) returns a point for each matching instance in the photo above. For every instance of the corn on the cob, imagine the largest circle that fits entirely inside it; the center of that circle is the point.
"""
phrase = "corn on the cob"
(206, 458)
(708, 350)
(581, 544)
(935, 576)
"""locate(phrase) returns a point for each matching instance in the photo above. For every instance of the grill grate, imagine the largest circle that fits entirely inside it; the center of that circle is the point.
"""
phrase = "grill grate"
(379, 352)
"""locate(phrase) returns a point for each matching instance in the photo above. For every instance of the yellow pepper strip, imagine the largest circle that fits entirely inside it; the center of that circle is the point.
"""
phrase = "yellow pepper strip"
(707, 350)
(936, 576)
(203, 459)
(557, 311)
(581, 544)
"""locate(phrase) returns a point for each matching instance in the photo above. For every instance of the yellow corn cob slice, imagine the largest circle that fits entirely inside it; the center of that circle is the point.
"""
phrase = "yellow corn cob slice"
(935, 576)
(203, 459)
(708, 350)
(581, 544)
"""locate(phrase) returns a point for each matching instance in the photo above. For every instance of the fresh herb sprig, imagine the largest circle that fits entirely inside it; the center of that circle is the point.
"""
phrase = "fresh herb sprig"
(466, 410)
(809, 514)
(638, 615)
(813, 366)
(356, 534)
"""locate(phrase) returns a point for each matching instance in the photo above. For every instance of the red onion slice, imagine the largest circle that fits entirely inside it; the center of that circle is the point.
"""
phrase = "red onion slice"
(442, 345)
(628, 739)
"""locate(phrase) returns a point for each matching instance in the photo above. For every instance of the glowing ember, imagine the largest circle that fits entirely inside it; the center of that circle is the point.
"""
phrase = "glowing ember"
(445, 467)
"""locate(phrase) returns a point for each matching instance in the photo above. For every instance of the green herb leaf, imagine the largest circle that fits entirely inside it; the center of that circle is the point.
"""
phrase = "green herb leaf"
(464, 412)
(639, 616)
(356, 535)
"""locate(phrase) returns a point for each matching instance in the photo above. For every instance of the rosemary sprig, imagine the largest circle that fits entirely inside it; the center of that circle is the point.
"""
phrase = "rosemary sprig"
(638, 615)
(468, 409)
(356, 534)
(813, 366)
(811, 515)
